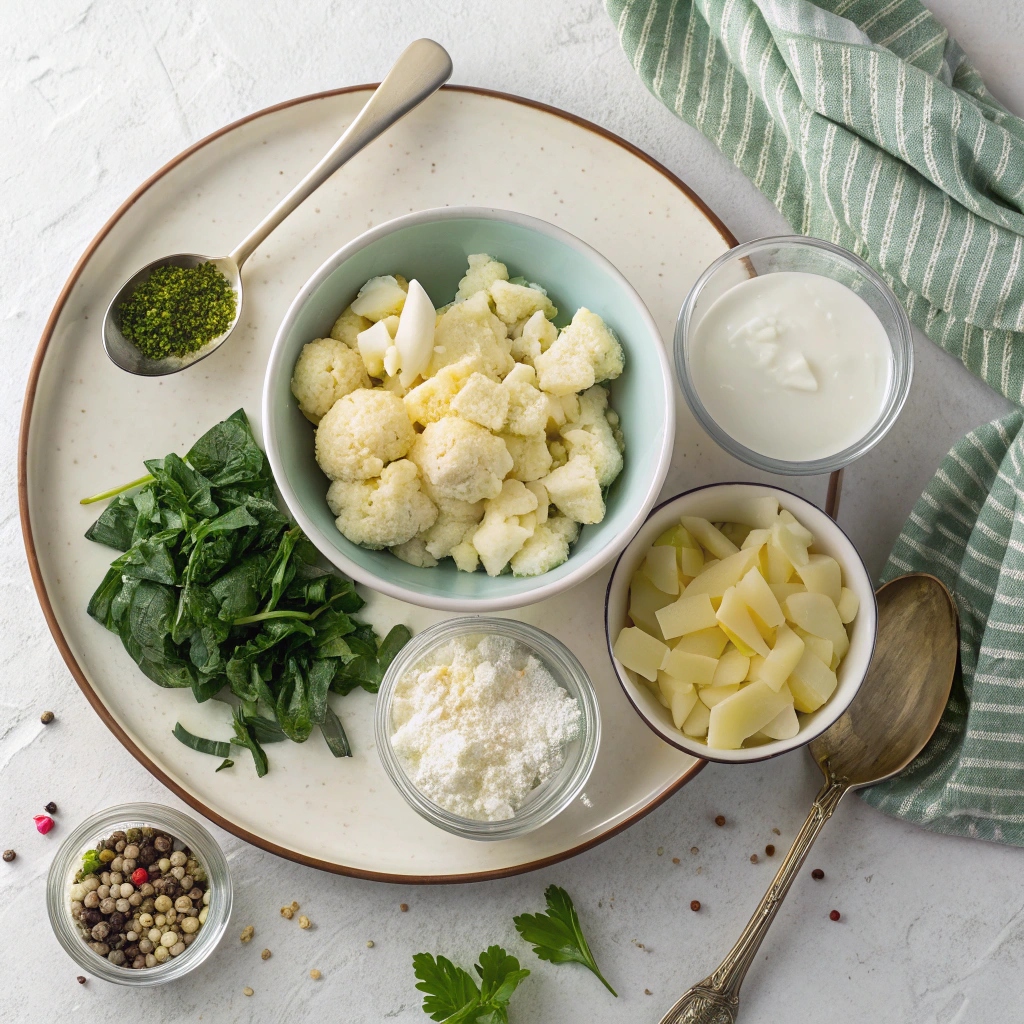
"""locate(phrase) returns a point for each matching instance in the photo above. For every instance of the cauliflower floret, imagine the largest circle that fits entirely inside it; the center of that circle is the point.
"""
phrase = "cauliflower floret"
(461, 459)
(454, 520)
(483, 401)
(384, 512)
(432, 400)
(576, 491)
(348, 327)
(591, 437)
(469, 330)
(380, 297)
(547, 549)
(528, 408)
(537, 335)
(584, 353)
(326, 370)
(531, 458)
(482, 273)
(465, 555)
(515, 302)
(415, 553)
(559, 456)
(543, 501)
(509, 522)
(515, 499)
(361, 433)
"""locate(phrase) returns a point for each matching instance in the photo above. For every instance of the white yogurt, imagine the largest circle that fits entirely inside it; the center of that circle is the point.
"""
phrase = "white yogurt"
(794, 366)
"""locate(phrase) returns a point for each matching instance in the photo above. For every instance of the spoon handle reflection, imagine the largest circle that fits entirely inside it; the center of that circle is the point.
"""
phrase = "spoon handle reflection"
(716, 999)
(423, 67)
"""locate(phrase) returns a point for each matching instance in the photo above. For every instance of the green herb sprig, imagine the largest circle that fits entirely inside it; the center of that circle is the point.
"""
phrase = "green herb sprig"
(453, 995)
(216, 591)
(557, 936)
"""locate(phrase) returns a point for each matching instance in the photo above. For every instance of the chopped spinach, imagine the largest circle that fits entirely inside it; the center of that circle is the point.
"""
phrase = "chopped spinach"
(215, 590)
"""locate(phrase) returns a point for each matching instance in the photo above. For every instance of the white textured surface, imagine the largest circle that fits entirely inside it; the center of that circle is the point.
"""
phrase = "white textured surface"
(93, 98)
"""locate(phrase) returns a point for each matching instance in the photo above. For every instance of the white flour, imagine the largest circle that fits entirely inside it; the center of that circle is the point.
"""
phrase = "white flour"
(479, 724)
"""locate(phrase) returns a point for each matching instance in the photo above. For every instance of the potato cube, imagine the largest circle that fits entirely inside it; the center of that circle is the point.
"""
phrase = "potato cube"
(644, 601)
(709, 642)
(669, 685)
(661, 568)
(818, 615)
(712, 695)
(709, 537)
(848, 605)
(784, 539)
(640, 651)
(732, 668)
(696, 669)
(784, 726)
(785, 656)
(681, 704)
(691, 561)
(696, 724)
(717, 577)
(779, 568)
(758, 597)
(802, 534)
(735, 621)
(747, 711)
(687, 615)
(812, 682)
(822, 575)
(817, 645)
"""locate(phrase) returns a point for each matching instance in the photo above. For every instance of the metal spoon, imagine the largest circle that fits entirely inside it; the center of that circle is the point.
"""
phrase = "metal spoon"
(893, 716)
(420, 71)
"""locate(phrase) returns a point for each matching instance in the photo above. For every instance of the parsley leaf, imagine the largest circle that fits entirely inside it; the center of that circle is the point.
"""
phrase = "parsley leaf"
(452, 994)
(556, 935)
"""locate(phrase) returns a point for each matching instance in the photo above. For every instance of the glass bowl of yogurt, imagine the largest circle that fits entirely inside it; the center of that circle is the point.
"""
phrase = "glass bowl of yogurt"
(794, 355)
(488, 727)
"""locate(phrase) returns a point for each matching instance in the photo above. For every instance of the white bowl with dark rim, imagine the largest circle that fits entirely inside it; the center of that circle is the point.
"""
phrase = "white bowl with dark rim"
(829, 539)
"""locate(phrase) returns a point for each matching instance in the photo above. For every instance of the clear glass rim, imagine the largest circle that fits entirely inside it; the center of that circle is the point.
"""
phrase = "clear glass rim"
(182, 827)
(554, 797)
(900, 341)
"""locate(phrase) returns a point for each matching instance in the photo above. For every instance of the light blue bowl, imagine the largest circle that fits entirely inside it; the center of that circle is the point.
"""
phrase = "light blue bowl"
(432, 246)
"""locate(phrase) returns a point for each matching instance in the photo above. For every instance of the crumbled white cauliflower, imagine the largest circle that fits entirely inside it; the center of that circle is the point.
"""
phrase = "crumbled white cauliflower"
(483, 271)
(361, 433)
(547, 549)
(537, 335)
(576, 491)
(461, 459)
(326, 370)
(454, 520)
(385, 511)
(583, 354)
(559, 456)
(432, 400)
(380, 297)
(527, 407)
(470, 331)
(509, 522)
(415, 553)
(591, 437)
(348, 326)
(543, 501)
(515, 302)
(464, 555)
(515, 499)
(483, 401)
(531, 457)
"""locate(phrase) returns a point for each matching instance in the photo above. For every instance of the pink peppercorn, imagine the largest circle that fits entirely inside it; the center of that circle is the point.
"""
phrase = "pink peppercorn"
(139, 877)
(43, 823)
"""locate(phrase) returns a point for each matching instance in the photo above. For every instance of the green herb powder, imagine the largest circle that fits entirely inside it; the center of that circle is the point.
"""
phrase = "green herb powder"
(178, 310)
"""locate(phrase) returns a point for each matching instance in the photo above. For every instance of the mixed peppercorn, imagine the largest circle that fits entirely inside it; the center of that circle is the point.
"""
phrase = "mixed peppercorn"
(140, 898)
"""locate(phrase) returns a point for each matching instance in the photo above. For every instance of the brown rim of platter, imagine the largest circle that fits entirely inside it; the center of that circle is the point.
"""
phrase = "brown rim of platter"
(33, 561)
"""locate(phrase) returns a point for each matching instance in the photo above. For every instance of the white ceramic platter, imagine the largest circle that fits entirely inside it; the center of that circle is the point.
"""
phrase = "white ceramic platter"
(87, 426)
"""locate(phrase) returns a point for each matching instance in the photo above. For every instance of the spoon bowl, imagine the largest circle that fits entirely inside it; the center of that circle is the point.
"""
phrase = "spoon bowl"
(122, 352)
(890, 721)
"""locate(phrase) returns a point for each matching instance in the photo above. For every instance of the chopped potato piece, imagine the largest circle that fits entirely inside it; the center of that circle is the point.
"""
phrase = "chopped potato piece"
(758, 512)
(784, 657)
(734, 619)
(747, 711)
(691, 561)
(756, 538)
(709, 642)
(644, 601)
(661, 569)
(640, 652)
(783, 590)
(812, 683)
(758, 597)
(848, 605)
(670, 685)
(822, 575)
(802, 534)
(687, 615)
(732, 668)
(756, 664)
(681, 705)
(696, 669)
(696, 724)
(817, 645)
(712, 695)
(818, 615)
(736, 532)
(784, 726)
(790, 544)
(779, 568)
(717, 577)
(709, 537)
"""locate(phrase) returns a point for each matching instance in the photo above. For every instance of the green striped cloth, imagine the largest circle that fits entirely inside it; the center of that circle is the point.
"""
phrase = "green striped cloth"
(866, 125)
